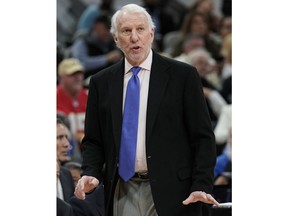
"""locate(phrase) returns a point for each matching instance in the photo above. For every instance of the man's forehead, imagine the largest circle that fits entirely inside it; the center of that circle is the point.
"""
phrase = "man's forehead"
(129, 18)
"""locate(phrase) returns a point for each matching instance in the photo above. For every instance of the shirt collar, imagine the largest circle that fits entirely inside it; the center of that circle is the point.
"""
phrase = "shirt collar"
(146, 64)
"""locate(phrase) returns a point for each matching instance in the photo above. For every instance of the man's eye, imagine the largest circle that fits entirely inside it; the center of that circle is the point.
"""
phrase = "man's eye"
(62, 137)
(140, 30)
(126, 31)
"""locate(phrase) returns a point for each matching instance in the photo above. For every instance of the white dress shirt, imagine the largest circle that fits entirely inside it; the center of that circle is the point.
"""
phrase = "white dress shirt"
(59, 190)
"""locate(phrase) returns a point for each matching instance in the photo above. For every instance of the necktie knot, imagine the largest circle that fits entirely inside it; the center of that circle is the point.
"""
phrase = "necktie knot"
(135, 70)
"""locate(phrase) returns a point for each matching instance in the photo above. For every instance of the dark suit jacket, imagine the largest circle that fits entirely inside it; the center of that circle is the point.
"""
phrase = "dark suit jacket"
(180, 145)
(67, 183)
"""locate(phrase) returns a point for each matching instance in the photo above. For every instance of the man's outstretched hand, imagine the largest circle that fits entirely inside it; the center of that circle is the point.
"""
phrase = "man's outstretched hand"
(84, 185)
(200, 196)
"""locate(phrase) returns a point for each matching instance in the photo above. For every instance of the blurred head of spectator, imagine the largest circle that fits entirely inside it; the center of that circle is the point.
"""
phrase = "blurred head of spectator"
(207, 7)
(204, 6)
(75, 169)
(101, 28)
(192, 42)
(202, 60)
(96, 50)
(71, 76)
(196, 23)
(225, 26)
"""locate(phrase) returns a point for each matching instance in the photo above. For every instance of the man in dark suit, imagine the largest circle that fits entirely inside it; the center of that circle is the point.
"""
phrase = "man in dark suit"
(175, 148)
(65, 184)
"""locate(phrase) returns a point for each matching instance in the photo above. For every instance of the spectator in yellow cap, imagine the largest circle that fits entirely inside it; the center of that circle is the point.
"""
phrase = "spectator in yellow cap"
(72, 96)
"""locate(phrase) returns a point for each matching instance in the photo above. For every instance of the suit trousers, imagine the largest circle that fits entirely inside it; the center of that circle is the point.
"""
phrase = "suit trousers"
(133, 198)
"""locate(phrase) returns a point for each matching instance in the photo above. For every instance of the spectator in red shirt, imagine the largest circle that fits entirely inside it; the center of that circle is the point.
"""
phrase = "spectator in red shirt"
(71, 95)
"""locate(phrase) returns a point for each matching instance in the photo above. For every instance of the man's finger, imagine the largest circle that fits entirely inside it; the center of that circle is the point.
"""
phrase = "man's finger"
(190, 199)
(79, 189)
(79, 194)
(212, 200)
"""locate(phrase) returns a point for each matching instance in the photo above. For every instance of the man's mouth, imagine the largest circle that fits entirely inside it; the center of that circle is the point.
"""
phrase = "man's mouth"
(136, 48)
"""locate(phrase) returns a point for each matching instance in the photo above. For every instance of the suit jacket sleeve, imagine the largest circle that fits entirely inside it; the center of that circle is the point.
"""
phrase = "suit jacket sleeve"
(92, 146)
(201, 134)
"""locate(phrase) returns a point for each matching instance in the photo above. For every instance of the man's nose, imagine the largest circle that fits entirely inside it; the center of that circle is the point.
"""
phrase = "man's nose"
(66, 143)
(134, 35)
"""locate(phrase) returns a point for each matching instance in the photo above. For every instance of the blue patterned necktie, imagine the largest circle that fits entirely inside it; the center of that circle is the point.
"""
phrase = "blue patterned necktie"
(130, 127)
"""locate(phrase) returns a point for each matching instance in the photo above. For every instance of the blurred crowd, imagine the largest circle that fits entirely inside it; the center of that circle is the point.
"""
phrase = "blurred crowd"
(197, 32)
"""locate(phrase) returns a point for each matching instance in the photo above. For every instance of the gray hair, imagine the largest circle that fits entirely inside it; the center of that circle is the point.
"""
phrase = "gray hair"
(200, 52)
(129, 8)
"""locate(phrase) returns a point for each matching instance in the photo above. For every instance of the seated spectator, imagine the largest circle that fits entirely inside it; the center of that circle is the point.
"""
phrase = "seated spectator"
(72, 96)
(196, 23)
(204, 63)
(63, 145)
(222, 170)
(63, 207)
(221, 130)
(190, 43)
(87, 19)
(207, 7)
(96, 50)
(74, 153)
(75, 169)
(65, 185)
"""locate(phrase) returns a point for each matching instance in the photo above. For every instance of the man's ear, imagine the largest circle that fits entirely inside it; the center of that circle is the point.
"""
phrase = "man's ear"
(115, 39)
(152, 34)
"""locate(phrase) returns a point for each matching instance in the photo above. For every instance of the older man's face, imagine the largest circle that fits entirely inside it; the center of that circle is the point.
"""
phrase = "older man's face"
(134, 37)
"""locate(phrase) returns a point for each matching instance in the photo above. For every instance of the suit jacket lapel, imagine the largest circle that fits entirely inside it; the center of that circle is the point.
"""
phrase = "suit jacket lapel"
(158, 81)
(115, 85)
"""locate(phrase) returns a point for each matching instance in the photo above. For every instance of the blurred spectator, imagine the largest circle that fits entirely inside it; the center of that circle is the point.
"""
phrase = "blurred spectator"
(89, 15)
(65, 185)
(96, 50)
(86, 20)
(68, 13)
(63, 207)
(75, 169)
(204, 63)
(72, 96)
(221, 130)
(222, 170)
(190, 43)
(74, 153)
(225, 26)
(195, 22)
(207, 7)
